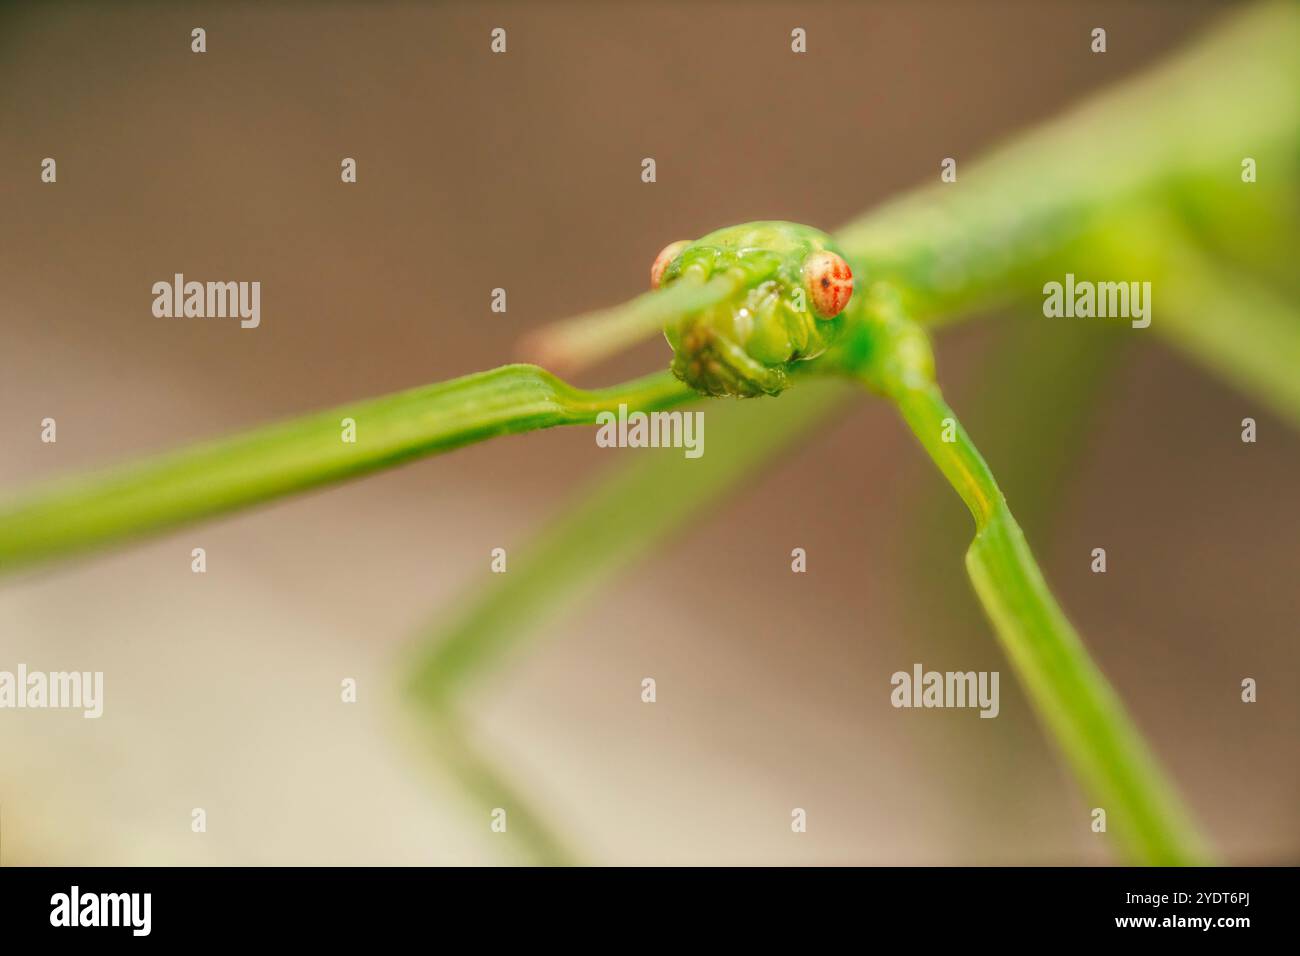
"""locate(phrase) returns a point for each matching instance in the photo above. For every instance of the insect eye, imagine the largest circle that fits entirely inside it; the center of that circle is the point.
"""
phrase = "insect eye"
(668, 254)
(828, 282)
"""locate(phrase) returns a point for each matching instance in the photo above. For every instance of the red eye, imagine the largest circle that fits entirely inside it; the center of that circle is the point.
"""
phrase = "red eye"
(829, 283)
(668, 254)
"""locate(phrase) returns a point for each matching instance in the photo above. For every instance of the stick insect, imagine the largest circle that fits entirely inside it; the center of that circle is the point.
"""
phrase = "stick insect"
(747, 313)
(926, 257)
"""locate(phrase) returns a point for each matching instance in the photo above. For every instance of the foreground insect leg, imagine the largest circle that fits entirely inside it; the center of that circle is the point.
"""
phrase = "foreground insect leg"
(1069, 692)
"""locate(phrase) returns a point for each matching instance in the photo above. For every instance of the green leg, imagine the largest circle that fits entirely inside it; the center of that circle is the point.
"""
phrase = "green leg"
(1071, 694)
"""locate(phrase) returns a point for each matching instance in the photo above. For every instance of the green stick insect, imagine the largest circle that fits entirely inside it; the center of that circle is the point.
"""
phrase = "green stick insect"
(1054, 198)
(782, 309)
(802, 318)
(793, 305)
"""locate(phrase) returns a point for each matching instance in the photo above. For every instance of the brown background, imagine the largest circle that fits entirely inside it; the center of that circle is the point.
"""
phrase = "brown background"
(522, 171)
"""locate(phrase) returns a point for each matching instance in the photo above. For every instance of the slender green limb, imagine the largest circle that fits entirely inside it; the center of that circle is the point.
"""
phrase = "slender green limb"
(1038, 443)
(486, 790)
(304, 453)
(572, 344)
(941, 435)
(1070, 693)
(1077, 703)
(608, 528)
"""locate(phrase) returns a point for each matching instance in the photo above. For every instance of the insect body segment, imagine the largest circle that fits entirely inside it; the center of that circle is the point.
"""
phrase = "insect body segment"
(790, 291)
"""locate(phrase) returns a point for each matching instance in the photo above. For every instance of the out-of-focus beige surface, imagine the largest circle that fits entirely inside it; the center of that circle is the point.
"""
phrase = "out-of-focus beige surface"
(522, 171)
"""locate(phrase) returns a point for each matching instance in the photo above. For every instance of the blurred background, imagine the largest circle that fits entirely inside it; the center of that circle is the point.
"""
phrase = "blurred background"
(522, 171)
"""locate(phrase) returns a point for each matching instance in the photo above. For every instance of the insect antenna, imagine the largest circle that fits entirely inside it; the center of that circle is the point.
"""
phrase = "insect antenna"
(573, 344)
